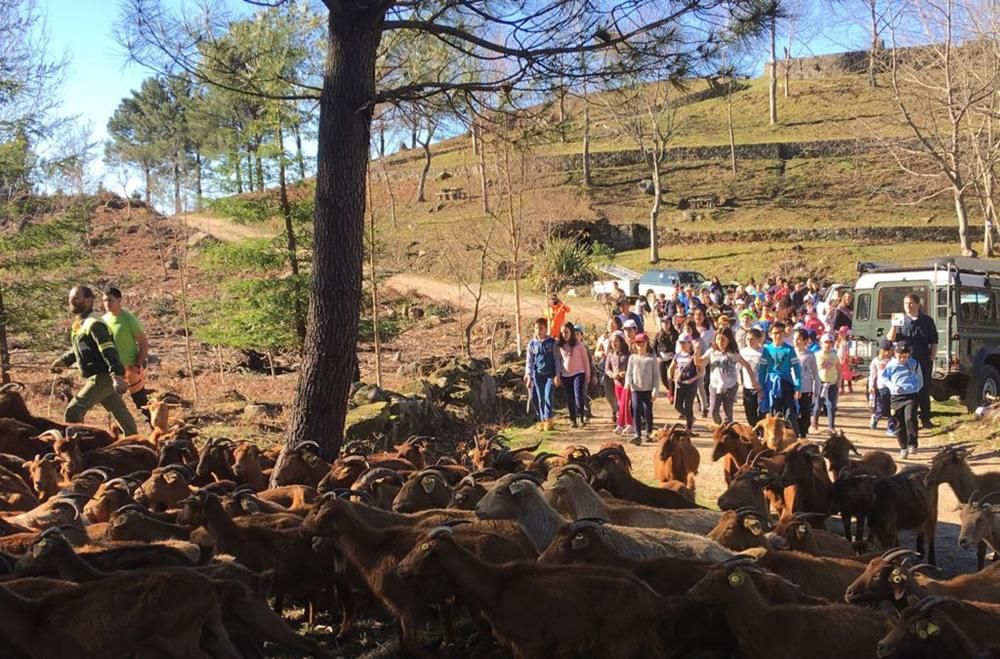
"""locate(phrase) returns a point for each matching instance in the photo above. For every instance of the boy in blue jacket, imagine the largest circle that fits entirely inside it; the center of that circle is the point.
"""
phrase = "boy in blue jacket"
(780, 376)
(540, 372)
(904, 380)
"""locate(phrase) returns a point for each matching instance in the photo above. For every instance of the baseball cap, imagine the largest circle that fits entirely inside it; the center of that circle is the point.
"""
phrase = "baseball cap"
(827, 337)
(746, 314)
(630, 324)
(885, 344)
(902, 346)
(684, 338)
(640, 338)
(799, 325)
(724, 319)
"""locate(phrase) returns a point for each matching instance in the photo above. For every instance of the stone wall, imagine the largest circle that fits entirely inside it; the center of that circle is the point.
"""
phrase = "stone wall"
(793, 235)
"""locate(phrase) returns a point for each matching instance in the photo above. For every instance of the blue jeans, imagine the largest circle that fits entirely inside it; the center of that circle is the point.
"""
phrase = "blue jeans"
(642, 412)
(576, 394)
(541, 396)
(829, 401)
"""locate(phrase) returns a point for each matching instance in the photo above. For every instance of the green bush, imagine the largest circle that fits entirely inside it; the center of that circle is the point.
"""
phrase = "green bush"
(245, 210)
(249, 255)
(563, 262)
(253, 314)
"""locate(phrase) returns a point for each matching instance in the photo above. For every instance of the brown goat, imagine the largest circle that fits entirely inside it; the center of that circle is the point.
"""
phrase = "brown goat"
(290, 497)
(611, 476)
(820, 576)
(776, 432)
(741, 529)
(980, 526)
(165, 488)
(548, 610)
(121, 459)
(837, 449)
(20, 439)
(425, 489)
(904, 501)
(300, 465)
(13, 407)
(732, 443)
(798, 534)
(887, 578)
(676, 459)
(831, 631)
(16, 495)
(248, 467)
(950, 465)
(111, 496)
(806, 472)
(926, 630)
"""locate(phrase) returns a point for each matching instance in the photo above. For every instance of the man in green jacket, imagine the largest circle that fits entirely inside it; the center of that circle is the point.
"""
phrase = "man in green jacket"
(95, 355)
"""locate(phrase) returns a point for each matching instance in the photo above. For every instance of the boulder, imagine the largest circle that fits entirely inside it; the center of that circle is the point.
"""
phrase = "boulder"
(254, 411)
(646, 185)
(367, 421)
(369, 393)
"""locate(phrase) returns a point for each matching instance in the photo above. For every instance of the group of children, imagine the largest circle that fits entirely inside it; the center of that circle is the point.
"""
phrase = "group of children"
(791, 369)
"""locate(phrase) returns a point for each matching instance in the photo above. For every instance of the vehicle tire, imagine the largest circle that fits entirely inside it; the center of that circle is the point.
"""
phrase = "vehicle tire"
(988, 381)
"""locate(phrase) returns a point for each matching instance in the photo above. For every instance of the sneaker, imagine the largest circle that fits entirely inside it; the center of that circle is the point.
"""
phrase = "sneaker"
(618, 430)
(912, 450)
(704, 413)
(903, 453)
(584, 420)
(637, 440)
(873, 423)
(890, 432)
(574, 424)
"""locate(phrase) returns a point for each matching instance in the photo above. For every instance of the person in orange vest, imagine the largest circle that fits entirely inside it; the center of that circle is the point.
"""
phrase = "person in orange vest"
(556, 315)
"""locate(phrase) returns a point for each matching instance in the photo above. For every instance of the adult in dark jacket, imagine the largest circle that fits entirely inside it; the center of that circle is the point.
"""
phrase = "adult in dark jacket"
(663, 347)
(920, 333)
(93, 351)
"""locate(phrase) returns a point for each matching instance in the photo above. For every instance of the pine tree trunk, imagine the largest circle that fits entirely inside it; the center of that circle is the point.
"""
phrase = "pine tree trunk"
(4, 345)
(250, 185)
(328, 360)
(177, 184)
(290, 246)
(197, 180)
(239, 177)
(875, 45)
(587, 180)
(422, 183)
(299, 156)
(772, 79)
(259, 162)
(732, 130)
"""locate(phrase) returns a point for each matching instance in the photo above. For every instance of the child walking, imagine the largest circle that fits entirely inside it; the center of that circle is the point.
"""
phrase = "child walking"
(780, 375)
(615, 368)
(844, 354)
(751, 353)
(540, 371)
(810, 385)
(724, 362)
(878, 395)
(828, 365)
(573, 369)
(641, 378)
(685, 375)
(904, 380)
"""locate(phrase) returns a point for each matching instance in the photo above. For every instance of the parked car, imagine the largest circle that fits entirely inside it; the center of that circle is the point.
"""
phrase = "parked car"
(664, 281)
(957, 293)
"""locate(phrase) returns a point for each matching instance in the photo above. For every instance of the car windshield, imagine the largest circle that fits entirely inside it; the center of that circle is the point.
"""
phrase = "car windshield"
(691, 278)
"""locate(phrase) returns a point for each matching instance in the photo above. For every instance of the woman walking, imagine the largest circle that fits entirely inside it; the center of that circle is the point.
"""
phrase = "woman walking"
(573, 370)
(686, 375)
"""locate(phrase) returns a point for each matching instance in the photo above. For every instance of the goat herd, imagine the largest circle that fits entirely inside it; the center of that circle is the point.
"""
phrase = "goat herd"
(159, 547)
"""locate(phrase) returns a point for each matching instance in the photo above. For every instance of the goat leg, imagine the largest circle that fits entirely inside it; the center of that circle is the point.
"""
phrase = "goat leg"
(409, 642)
(980, 555)
(348, 607)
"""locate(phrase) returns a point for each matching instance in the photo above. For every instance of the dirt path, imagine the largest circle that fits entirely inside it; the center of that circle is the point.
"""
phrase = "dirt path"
(584, 310)
(221, 229)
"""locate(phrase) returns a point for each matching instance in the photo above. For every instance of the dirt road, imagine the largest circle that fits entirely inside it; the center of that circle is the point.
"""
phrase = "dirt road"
(221, 229)
(584, 310)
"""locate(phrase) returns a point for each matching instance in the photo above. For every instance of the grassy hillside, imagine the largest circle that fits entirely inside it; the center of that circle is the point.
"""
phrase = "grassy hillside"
(817, 193)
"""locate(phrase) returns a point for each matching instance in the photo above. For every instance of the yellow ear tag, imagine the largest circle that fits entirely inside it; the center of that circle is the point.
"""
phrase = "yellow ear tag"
(896, 576)
(425, 546)
(922, 634)
(736, 579)
(932, 629)
(752, 525)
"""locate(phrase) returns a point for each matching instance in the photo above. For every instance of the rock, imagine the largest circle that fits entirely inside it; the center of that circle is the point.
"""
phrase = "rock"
(254, 411)
(132, 230)
(369, 393)
(367, 421)
(646, 185)
(416, 313)
(571, 292)
(173, 264)
(510, 357)
(199, 237)
(444, 176)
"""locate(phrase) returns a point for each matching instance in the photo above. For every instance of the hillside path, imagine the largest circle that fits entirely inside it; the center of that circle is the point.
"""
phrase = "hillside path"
(221, 229)
(584, 310)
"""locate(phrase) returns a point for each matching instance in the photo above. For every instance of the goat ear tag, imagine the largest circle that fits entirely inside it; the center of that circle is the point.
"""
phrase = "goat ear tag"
(800, 531)
(896, 576)
(424, 546)
(428, 484)
(736, 579)
(932, 629)
(170, 477)
(579, 541)
(752, 525)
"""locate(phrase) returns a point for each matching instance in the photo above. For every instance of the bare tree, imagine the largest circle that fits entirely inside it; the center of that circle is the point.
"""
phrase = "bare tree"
(645, 114)
(525, 45)
(937, 95)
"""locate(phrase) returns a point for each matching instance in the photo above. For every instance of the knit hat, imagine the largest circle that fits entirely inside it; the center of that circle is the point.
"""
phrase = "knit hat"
(640, 338)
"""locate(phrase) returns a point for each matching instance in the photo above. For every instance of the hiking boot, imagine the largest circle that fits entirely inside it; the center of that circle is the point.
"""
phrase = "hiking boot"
(637, 440)
(574, 424)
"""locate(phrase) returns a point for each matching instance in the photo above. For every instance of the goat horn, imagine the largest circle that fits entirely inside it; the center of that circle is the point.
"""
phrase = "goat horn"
(52, 432)
(924, 566)
(467, 481)
(130, 507)
(930, 602)
(542, 457)
(489, 473)
(103, 473)
(440, 531)
(306, 443)
(588, 522)
(893, 554)
(11, 386)
(361, 494)
(530, 476)
(985, 496)
(49, 533)
(582, 470)
(740, 559)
